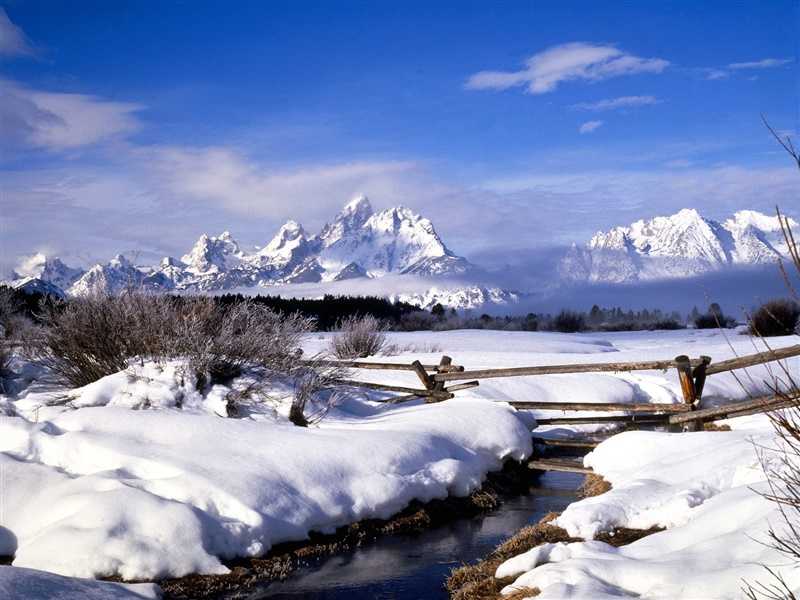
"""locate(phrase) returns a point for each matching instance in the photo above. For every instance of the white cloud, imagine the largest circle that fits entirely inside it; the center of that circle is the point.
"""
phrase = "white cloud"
(12, 39)
(58, 121)
(615, 103)
(766, 63)
(713, 74)
(589, 126)
(231, 180)
(545, 70)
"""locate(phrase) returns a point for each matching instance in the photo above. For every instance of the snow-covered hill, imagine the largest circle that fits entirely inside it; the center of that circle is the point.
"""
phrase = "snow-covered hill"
(685, 244)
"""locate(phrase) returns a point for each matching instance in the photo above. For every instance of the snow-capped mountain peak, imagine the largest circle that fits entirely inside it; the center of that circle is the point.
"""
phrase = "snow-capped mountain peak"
(348, 222)
(213, 254)
(680, 245)
(47, 269)
(358, 243)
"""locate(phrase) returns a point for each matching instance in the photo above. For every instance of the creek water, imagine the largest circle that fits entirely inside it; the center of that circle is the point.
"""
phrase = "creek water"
(415, 566)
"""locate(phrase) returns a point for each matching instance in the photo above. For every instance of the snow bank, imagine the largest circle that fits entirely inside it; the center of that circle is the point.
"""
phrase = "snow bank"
(140, 475)
(148, 494)
(703, 487)
(38, 585)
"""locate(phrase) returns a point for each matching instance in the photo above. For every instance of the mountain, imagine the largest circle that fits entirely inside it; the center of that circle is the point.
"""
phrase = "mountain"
(685, 244)
(462, 298)
(118, 275)
(48, 270)
(358, 243)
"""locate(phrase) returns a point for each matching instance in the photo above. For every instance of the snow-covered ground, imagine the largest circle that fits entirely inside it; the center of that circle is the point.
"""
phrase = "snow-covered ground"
(139, 475)
(702, 487)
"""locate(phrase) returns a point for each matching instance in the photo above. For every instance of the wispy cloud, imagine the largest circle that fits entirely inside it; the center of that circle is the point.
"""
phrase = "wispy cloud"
(767, 63)
(545, 70)
(13, 41)
(232, 181)
(59, 121)
(713, 74)
(617, 103)
(590, 127)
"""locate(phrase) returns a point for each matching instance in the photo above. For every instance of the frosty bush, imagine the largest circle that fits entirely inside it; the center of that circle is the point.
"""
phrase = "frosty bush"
(776, 317)
(358, 337)
(220, 342)
(91, 337)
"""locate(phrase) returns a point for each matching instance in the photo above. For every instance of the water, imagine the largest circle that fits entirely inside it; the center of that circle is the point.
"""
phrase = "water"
(415, 566)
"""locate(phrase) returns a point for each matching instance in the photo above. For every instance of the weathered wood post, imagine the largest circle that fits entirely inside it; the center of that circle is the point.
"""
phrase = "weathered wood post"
(699, 376)
(438, 386)
(684, 366)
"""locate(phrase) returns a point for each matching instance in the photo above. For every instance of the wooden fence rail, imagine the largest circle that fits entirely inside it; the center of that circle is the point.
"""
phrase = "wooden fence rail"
(602, 407)
(652, 365)
(750, 360)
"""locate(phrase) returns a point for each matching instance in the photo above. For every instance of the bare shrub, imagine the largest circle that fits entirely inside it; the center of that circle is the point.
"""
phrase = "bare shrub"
(7, 314)
(358, 337)
(714, 318)
(91, 337)
(776, 317)
(221, 342)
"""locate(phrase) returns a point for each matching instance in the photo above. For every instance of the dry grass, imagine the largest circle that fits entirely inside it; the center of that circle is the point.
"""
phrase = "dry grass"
(593, 485)
(711, 426)
(477, 582)
(358, 337)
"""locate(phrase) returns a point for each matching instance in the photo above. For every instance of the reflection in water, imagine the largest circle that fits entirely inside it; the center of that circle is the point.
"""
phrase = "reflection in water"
(415, 566)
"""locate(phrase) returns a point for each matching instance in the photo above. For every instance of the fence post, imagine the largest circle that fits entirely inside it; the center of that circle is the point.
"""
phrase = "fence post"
(684, 366)
(699, 376)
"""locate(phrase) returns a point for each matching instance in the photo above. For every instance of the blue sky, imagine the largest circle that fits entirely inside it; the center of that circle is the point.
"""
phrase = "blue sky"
(513, 126)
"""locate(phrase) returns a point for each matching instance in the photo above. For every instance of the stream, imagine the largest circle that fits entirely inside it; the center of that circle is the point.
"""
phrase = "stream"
(415, 566)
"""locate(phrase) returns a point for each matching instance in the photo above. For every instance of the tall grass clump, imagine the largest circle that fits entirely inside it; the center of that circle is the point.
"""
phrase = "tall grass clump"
(781, 463)
(776, 317)
(358, 337)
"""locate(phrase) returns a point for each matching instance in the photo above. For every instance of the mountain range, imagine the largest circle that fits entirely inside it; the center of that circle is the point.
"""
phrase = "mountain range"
(397, 245)
(358, 243)
(682, 245)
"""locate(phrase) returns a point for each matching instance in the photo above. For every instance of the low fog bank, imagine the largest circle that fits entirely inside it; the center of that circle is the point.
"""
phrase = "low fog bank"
(737, 290)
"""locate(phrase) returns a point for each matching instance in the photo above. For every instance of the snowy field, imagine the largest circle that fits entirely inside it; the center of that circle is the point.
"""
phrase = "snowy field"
(141, 476)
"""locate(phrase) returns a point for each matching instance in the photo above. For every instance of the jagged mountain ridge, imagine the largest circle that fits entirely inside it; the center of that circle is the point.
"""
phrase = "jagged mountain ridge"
(358, 243)
(685, 244)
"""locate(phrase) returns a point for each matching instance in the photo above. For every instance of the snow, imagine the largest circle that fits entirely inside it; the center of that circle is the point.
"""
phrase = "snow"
(703, 487)
(684, 244)
(358, 241)
(166, 491)
(143, 476)
(39, 585)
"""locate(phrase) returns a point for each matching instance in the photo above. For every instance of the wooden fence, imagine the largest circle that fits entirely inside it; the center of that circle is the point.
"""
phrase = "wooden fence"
(438, 383)
(692, 374)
